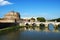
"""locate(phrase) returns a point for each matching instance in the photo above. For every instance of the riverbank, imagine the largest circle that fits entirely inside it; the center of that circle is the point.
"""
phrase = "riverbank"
(9, 29)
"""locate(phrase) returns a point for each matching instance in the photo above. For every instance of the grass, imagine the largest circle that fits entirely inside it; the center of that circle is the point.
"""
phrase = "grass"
(9, 29)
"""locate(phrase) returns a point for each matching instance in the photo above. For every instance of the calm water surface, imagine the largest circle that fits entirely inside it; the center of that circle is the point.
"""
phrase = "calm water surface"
(31, 35)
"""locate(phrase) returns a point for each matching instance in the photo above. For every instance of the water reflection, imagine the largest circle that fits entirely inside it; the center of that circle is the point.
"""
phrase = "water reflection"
(27, 25)
(58, 28)
(42, 26)
(51, 27)
(9, 36)
(33, 34)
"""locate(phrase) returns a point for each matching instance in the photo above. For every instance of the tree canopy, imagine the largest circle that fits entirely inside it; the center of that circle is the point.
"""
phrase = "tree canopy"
(57, 19)
(41, 19)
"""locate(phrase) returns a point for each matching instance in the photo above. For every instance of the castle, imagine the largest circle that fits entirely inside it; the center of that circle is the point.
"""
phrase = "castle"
(11, 17)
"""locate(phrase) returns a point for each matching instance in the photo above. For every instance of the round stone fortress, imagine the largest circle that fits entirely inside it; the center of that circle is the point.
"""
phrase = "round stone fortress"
(10, 19)
(12, 16)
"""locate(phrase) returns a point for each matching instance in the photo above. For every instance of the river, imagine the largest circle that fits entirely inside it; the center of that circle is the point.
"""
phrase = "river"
(30, 34)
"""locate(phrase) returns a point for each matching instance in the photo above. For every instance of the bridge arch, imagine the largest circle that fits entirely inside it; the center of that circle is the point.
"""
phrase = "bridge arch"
(34, 24)
(42, 26)
(51, 26)
(58, 27)
(27, 24)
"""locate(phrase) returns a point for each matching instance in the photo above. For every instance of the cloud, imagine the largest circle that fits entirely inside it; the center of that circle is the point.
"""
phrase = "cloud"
(3, 2)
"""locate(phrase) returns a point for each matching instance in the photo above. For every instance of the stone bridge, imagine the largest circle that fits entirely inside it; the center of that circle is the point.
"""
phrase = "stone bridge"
(38, 23)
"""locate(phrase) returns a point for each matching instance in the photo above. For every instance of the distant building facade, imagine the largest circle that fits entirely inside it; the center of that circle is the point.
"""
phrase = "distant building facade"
(29, 19)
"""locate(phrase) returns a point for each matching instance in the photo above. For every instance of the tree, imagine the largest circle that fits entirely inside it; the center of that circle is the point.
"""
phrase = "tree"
(41, 19)
(57, 19)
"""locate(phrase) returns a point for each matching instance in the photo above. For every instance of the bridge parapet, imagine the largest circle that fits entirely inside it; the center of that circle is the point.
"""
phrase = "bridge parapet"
(45, 23)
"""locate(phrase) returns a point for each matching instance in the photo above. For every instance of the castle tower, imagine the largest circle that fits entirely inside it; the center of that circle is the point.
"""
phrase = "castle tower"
(12, 16)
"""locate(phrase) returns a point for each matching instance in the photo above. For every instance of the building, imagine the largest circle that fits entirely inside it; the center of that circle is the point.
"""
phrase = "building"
(11, 17)
(32, 19)
(29, 19)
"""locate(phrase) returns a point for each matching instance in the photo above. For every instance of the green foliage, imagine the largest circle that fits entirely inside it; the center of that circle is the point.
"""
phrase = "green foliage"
(57, 19)
(41, 19)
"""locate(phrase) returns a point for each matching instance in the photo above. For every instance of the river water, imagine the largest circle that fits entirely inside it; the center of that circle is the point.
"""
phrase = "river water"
(30, 34)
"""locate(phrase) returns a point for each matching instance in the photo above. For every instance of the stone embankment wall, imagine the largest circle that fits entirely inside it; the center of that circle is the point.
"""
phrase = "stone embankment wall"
(4, 25)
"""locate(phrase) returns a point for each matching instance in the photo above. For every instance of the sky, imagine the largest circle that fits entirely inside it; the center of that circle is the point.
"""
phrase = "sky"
(49, 9)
